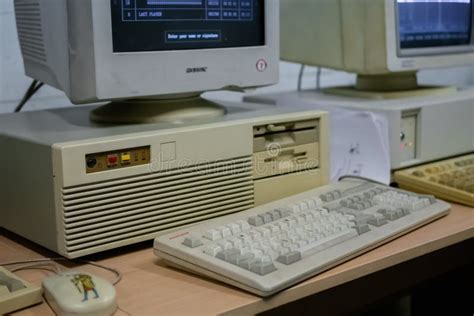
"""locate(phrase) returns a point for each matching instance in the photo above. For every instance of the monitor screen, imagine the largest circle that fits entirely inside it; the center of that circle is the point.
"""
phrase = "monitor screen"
(434, 23)
(160, 25)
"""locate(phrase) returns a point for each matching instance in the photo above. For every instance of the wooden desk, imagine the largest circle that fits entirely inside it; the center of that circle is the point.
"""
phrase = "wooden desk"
(149, 287)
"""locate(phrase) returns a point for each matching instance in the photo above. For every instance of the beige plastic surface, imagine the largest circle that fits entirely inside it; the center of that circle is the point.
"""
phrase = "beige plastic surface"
(342, 34)
(75, 214)
(10, 302)
(157, 110)
(418, 179)
(274, 188)
(421, 91)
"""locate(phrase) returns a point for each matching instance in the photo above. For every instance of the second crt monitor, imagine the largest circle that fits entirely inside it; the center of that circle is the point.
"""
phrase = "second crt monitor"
(384, 41)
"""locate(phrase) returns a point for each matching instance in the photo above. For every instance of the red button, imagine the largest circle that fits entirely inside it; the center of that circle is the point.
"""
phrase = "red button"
(112, 159)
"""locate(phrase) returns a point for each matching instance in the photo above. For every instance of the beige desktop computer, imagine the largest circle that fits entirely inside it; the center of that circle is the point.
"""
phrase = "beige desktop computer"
(78, 188)
(157, 157)
(385, 42)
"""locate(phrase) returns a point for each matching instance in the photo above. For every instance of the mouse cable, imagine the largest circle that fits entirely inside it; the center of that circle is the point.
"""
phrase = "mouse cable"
(360, 178)
(117, 273)
(39, 266)
(34, 87)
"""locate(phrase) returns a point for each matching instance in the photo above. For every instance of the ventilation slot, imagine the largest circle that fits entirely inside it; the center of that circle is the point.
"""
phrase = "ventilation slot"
(30, 33)
(138, 208)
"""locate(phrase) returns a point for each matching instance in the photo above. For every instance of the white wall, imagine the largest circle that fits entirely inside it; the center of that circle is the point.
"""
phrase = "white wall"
(13, 82)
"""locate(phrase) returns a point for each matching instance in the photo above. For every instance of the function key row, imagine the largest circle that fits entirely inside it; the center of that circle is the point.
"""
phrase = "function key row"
(226, 230)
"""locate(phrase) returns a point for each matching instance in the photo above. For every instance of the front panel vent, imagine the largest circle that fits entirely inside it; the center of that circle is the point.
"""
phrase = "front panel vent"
(114, 213)
(30, 30)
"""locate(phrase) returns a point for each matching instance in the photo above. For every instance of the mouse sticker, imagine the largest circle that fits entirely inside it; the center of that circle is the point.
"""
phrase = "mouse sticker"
(84, 284)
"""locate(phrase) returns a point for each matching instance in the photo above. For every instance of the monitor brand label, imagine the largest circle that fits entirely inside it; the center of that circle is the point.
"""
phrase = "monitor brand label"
(194, 70)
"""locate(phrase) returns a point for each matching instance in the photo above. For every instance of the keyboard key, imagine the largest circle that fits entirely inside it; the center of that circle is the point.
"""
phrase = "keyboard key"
(236, 243)
(12, 284)
(378, 220)
(266, 218)
(237, 259)
(245, 238)
(294, 208)
(274, 228)
(362, 228)
(265, 232)
(225, 255)
(262, 268)
(225, 231)
(400, 212)
(225, 245)
(290, 257)
(192, 242)
(391, 215)
(247, 263)
(244, 226)
(275, 215)
(327, 242)
(256, 221)
(283, 211)
(213, 234)
(327, 197)
(212, 250)
(234, 228)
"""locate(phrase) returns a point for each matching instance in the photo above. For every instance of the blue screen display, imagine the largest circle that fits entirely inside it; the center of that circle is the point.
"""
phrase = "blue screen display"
(156, 25)
(434, 23)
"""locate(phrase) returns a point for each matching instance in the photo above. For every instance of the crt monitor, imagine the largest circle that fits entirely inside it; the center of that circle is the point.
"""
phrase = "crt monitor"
(98, 50)
(378, 37)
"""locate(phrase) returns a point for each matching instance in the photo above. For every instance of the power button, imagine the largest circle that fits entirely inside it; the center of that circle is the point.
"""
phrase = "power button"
(262, 65)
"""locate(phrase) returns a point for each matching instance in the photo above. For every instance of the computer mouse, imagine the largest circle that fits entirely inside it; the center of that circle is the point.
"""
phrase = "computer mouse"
(79, 293)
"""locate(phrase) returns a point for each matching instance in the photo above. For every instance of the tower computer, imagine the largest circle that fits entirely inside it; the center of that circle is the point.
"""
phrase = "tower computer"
(157, 156)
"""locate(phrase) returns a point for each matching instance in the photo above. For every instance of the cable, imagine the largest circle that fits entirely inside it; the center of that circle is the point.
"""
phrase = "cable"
(40, 266)
(318, 78)
(121, 309)
(378, 182)
(34, 268)
(33, 88)
(300, 77)
(33, 261)
(360, 178)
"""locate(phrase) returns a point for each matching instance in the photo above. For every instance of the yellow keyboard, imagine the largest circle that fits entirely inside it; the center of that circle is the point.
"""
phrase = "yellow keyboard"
(451, 179)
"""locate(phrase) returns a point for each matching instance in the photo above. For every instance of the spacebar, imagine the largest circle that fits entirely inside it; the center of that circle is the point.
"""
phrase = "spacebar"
(327, 242)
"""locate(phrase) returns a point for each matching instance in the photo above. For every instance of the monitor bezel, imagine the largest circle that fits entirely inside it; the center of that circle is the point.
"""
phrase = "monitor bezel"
(118, 75)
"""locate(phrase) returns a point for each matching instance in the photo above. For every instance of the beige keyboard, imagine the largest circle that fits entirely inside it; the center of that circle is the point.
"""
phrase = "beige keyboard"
(273, 246)
(16, 293)
(451, 179)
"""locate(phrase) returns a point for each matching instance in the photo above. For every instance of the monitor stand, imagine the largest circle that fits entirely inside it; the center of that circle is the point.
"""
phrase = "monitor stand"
(174, 109)
(389, 86)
